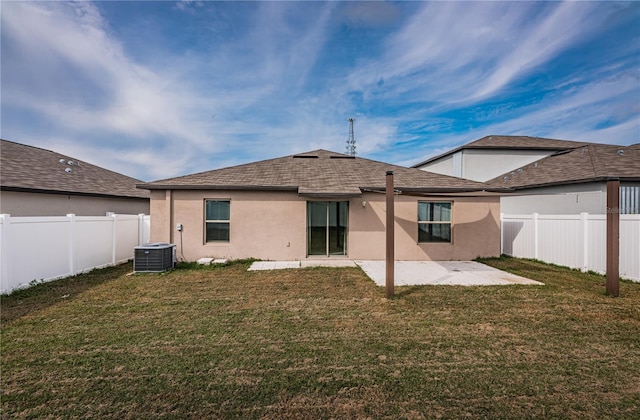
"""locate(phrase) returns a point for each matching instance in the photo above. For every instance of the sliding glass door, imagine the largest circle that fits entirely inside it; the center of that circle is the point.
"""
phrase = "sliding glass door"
(327, 227)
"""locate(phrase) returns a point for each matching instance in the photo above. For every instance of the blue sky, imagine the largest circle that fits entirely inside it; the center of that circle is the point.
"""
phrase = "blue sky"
(160, 89)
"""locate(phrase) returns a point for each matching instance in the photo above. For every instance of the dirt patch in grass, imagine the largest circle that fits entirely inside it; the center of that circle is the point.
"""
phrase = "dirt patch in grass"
(322, 343)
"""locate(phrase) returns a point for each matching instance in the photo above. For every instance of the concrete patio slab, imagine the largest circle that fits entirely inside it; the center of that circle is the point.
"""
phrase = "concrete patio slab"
(452, 273)
(413, 273)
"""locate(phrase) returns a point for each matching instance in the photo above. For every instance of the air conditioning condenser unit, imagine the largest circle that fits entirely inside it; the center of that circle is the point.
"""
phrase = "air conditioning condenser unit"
(154, 257)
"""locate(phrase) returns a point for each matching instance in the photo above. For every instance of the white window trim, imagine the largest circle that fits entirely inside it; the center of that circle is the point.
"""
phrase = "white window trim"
(227, 221)
(435, 222)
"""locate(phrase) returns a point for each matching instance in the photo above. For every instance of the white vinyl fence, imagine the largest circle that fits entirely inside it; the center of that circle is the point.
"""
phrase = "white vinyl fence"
(35, 249)
(577, 241)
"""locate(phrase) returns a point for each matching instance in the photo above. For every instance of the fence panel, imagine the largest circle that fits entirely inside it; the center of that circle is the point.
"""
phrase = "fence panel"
(518, 235)
(597, 244)
(560, 240)
(630, 246)
(48, 248)
(93, 243)
(127, 236)
(576, 241)
(35, 250)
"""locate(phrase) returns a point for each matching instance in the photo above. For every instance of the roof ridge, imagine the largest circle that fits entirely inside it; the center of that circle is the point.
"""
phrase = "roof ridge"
(318, 176)
(33, 147)
(595, 161)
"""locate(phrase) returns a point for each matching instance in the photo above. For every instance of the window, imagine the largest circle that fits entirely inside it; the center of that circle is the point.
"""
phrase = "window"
(434, 221)
(216, 220)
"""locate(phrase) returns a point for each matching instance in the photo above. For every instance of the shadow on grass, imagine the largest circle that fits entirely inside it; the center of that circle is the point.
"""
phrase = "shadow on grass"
(22, 302)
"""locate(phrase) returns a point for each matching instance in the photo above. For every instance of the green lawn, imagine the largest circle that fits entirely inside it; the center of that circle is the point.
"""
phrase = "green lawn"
(319, 343)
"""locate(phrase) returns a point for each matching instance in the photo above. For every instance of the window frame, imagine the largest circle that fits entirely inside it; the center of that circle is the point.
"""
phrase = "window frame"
(218, 221)
(436, 222)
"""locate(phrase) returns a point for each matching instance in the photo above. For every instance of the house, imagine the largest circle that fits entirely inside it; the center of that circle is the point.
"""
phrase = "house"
(546, 176)
(491, 156)
(574, 181)
(39, 182)
(322, 204)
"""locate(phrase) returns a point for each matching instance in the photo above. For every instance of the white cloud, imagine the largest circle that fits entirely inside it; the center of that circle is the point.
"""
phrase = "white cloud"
(247, 88)
(457, 53)
(69, 45)
(566, 23)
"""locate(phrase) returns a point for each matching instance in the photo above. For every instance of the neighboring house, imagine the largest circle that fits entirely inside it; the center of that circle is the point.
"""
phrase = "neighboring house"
(39, 182)
(323, 204)
(574, 181)
(546, 176)
(491, 156)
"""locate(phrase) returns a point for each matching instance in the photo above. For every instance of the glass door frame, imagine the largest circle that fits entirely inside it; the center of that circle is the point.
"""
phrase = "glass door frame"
(341, 230)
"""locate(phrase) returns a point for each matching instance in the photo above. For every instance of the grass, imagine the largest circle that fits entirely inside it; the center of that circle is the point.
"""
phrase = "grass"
(319, 343)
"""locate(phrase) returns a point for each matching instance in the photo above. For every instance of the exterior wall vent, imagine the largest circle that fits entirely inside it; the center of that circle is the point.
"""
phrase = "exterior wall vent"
(154, 257)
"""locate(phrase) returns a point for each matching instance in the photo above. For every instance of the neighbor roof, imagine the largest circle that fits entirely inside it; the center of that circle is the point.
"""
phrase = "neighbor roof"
(31, 169)
(318, 173)
(512, 143)
(589, 163)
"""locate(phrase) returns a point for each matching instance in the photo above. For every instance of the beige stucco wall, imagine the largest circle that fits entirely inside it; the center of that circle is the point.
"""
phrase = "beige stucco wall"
(265, 225)
(475, 229)
(272, 226)
(40, 204)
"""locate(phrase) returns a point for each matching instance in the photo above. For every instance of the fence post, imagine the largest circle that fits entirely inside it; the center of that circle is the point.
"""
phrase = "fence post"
(114, 235)
(72, 243)
(501, 233)
(584, 225)
(535, 236)
(5, 258)
(140, 228)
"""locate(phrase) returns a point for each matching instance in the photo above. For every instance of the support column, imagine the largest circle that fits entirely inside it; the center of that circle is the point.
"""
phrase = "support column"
(613, 237)
(390, 245)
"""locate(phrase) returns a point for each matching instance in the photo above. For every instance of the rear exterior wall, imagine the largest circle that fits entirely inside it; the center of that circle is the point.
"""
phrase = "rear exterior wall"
(273, 226)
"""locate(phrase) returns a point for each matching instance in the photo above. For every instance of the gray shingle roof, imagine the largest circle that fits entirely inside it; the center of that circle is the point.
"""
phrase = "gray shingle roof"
(592, 162)
(318, 173)
(28, 168)
(522, 142)
(511, 142)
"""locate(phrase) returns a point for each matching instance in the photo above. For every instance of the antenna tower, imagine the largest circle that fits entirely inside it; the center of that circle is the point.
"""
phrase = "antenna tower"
(351, 143)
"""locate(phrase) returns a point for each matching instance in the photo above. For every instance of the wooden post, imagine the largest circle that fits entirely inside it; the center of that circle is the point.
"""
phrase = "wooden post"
(390, 236)
(613, 237)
